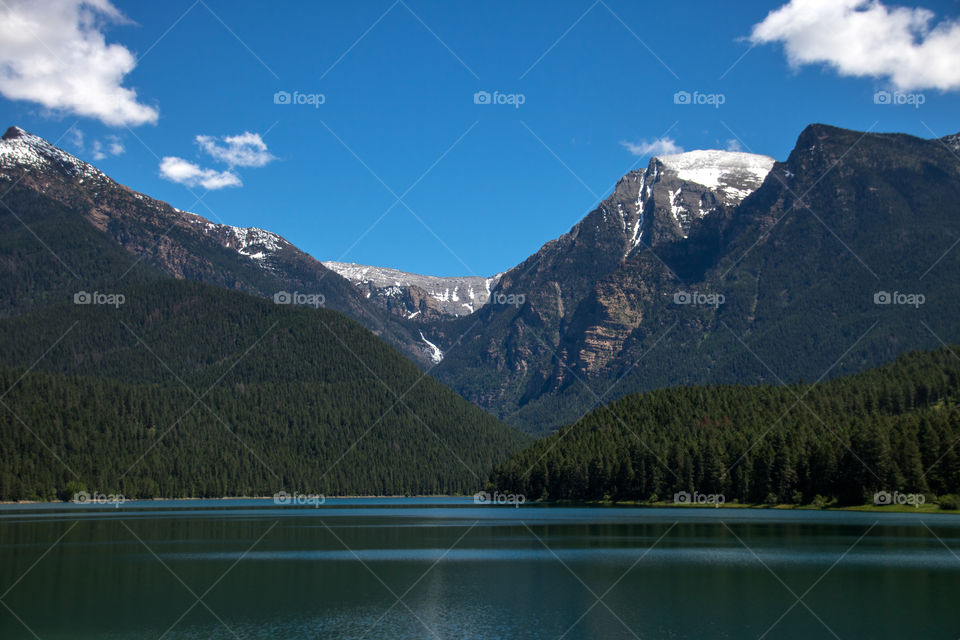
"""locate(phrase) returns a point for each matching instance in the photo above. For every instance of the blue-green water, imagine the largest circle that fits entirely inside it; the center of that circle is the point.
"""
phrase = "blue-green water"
(446, 568)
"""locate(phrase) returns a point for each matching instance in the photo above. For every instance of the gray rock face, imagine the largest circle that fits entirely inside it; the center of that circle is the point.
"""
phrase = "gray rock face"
(414, 296)
(680, 189)
(583, 293)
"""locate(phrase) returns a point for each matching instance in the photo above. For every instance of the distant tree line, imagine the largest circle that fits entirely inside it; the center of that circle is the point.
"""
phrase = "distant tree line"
(893, 428)
(290, 399)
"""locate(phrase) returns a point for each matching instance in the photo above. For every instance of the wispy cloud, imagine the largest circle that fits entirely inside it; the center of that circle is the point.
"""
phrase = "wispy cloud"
(75, 137)
(661, 147)
(189, 174)
(865, 38)
(54, 53)
(111, 147)
(242, 150)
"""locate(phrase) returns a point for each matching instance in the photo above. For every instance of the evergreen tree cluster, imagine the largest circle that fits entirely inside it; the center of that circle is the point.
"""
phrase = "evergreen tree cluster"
(187, 390)
(893, 428)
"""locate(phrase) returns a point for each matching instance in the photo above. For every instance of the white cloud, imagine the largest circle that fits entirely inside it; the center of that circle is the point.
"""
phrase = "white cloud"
(115, 146)
(54, 53)
(102, 150)
(661, 147)
(191, 175)
(75, 137)
(734, 145)
(243, 150)
(865, 38)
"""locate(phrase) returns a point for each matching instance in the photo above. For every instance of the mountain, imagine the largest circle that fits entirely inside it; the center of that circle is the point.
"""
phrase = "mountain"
(186, 389)
(521, 352)
(711, 267)
(704, 267)
(414, 296)
(694, 184)
(65, 220)
(889, 430)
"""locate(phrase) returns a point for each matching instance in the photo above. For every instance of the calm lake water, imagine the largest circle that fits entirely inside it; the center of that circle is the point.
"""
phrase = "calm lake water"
(446, 568)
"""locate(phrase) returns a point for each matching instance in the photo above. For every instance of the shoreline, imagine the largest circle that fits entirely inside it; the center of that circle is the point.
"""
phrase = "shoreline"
(267, 497)
(927, 508)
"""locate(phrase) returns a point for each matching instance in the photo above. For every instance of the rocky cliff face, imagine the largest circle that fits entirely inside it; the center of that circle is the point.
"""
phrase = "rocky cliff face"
(584, 292)
(417, 297)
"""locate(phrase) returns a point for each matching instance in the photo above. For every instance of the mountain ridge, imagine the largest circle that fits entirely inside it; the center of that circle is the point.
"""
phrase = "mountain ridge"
(173, 242)
(603, 319)
(415, 295)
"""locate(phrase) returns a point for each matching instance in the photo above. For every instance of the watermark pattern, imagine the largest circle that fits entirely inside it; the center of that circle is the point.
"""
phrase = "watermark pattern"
(698, 299)
(904, 299)
(510, 299)
(107, 299)
(299, 98)
(898, 98)
(697, 498)
(483, 497)
(512, 99)
(698, 98)
(315, 300)
(887, 498)
(297, 499)
(84, 497)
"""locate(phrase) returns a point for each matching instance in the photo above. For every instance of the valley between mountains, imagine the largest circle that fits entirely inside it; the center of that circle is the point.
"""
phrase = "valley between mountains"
(237, 364)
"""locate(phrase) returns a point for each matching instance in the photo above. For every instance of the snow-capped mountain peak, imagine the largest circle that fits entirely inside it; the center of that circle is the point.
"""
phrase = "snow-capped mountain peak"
(677, 190)
(21, 149)
(732, 174)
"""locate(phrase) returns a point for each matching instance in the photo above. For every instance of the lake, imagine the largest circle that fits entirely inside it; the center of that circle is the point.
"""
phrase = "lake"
(447, 568)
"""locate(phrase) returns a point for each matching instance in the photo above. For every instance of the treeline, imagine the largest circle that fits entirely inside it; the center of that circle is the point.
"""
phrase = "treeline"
(893, 428)
(290, 399)
(61, 435)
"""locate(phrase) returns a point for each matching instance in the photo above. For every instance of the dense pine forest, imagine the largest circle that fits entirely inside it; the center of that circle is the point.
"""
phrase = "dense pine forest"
(190, 390)
(187, 390)
(893, 428)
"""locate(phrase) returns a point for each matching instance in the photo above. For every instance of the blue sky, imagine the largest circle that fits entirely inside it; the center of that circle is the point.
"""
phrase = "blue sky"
(482, 185)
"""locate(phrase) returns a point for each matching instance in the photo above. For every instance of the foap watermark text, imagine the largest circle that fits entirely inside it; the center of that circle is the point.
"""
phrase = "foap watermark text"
(297, 499)
(697, 98)
(697, 498)
(299, 98)
(512, 99)
(897, 298)
(306, 299)
(99, 298)
(483, 497)
(112, 499)
(897, 98)
(698, 299)
(888, 498)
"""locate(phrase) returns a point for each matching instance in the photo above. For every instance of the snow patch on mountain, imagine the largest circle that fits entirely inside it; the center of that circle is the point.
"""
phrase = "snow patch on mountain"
(435, 354)
(953, 142)
(642, 194)
(455, 296)
(732, 174)
(252, 242)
